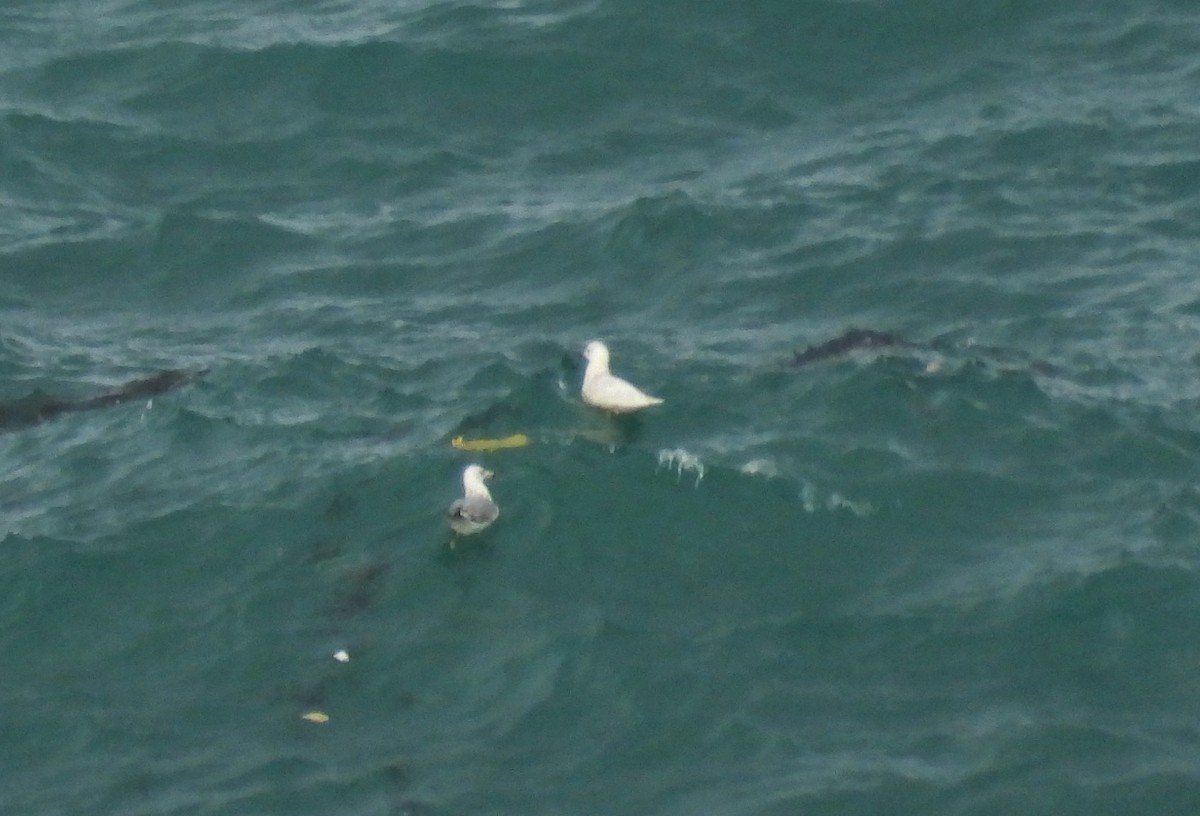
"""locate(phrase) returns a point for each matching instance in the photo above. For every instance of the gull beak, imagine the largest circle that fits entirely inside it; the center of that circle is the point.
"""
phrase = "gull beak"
(487, 474)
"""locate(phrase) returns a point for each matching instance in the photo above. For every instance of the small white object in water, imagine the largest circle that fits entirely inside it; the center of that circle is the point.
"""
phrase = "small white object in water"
(603, 389)
(680, 460)
(475, 510)
(760, 467)
(341, 656)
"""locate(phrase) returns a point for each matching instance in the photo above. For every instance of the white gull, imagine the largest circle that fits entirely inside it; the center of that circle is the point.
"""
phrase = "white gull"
(603, 389)
(475, 510)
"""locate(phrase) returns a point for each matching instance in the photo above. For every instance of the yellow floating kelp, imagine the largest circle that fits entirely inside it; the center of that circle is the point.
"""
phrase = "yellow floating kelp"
(514, 441)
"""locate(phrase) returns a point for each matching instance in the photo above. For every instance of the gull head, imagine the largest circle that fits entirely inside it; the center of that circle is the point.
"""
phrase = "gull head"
(479, 471)
(596, 353)
(474, 477)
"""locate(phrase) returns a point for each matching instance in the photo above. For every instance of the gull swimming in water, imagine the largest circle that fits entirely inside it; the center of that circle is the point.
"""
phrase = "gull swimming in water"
(602, 389)
(475, 510)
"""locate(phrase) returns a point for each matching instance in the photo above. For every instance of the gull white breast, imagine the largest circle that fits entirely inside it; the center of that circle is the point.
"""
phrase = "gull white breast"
(603, 389)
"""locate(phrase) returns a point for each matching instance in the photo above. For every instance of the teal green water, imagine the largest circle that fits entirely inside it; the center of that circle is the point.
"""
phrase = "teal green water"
(961, 577)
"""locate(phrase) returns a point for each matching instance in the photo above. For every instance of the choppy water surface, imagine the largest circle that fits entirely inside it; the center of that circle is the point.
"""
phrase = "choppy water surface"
(953, 576)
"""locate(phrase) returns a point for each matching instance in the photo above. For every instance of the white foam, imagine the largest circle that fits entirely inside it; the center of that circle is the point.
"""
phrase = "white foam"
(834, 502)
(681, 461)
(760, 467)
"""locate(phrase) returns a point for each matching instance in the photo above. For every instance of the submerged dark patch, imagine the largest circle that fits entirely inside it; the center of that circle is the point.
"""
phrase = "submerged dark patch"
(39, 407)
